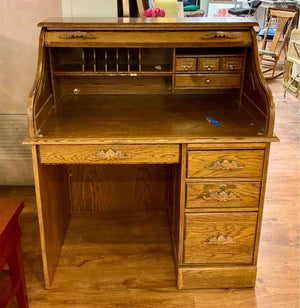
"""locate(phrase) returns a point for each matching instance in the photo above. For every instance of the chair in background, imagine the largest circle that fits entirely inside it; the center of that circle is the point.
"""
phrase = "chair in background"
(126, 7)
(293, 58)
(242, 11)
(269, 57)
(12, 281)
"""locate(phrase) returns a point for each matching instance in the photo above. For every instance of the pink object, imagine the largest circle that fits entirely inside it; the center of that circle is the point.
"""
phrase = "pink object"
(222, 13)
(154, 13)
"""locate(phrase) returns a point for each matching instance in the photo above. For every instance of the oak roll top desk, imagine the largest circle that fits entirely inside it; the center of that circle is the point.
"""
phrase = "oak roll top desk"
(180, 103)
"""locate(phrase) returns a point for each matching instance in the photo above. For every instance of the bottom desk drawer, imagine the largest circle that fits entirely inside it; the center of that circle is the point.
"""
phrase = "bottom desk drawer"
(108, 154)
(219, 237)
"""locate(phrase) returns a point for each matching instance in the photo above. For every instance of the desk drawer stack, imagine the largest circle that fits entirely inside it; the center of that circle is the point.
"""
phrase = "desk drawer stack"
(223, 190)
(208, 69)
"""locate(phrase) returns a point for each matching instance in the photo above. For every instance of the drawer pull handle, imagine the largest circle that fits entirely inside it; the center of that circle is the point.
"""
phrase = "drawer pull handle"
(231, 67)
(221, 239)
(207, 81)
(110, 155)
(76, 91)
(224, 164)
(222, 195)
(187, 66)
(209, 68)
(216, 35)
(77, 35)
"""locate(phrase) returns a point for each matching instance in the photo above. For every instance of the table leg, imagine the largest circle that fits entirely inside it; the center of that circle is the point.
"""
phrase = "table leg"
(16, 268)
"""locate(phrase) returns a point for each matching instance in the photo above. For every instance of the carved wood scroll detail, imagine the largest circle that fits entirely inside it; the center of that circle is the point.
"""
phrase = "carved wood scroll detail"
(217, 35)
(77, 35)
(222, 195)
(110, 154)
(221, 239)
(224, 164)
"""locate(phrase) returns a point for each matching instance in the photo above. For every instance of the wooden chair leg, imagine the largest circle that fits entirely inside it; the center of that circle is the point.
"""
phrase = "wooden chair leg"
(16, 268)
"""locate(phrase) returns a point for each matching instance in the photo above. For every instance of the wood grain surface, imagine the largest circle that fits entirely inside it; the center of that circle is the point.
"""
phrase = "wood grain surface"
(225, 163)
(212, 81)
(185, 64)
(216, 277)
(113, 188)
(219, 238)
(53, 205)
(208, 64)
(149, 38)
(143, 119)
(232, 63)
(222, 194)
(133, 24)
(108, 154)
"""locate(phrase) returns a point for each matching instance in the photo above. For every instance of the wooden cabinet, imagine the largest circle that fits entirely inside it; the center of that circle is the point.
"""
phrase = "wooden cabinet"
(151, 115)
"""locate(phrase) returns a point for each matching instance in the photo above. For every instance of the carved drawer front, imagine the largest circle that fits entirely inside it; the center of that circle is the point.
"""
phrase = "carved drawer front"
(232, 64)
(220, 81)
(208, 64)
(225, 164)
(219, 238)
(108, 154)
(217, 195)
(147, 38)
(186, 64)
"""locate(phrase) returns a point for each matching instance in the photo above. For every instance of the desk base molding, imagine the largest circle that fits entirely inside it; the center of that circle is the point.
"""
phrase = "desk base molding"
(216, 277)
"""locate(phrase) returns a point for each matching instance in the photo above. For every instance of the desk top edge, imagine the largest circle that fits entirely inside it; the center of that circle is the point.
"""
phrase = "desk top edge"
(168, 140)
(147, 23)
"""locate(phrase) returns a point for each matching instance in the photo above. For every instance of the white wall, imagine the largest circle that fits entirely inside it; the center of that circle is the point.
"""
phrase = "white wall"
(18, 58)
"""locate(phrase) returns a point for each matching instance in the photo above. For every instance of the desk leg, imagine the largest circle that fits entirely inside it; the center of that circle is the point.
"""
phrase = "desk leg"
(53, 205)
(16, 268)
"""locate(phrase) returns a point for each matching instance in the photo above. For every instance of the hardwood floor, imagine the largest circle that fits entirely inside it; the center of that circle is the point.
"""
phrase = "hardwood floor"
(138, 272)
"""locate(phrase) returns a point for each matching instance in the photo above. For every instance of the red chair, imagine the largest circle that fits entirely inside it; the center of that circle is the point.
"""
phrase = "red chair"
(12, 281)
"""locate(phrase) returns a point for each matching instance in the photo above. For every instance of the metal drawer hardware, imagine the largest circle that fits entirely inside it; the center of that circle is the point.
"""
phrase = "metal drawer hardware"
(216, 35)
(110, 154)
(77, 35)
(209, 68)
(222, 195)
(186, 67)
(76, 91)
(221, 239)
(224, 164)
(207, 80)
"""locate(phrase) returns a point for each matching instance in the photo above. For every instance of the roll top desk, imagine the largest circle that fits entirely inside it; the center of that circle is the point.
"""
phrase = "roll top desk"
(184, 100)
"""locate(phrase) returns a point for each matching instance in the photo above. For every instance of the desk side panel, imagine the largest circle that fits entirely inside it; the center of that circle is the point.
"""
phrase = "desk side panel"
(53, 205)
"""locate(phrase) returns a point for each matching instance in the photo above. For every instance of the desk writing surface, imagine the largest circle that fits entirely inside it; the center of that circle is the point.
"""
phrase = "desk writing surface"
(148, 116)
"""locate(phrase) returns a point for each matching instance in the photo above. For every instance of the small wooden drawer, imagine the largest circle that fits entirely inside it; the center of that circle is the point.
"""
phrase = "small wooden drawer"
(222, 195)
(232, 64)
(219, 237)
(208, 64)
(108, 154)
(186, 64)
(194, 81)
(225, 164)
